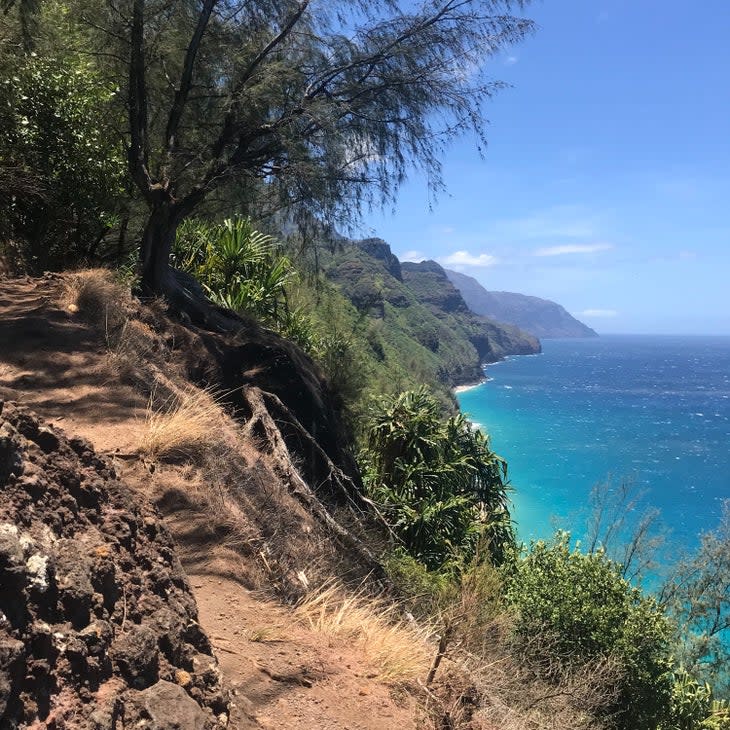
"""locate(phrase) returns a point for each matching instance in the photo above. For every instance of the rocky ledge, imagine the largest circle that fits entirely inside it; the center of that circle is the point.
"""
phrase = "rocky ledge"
(98, 626)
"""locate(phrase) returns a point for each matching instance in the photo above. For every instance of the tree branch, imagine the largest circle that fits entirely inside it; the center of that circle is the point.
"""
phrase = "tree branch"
(183, 89)
(139, 146)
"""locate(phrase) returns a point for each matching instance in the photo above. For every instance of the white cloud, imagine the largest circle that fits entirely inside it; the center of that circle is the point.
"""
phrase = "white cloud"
(414, 256)
(569, 248)
(605, 313)
(464, 258)
(511, 60)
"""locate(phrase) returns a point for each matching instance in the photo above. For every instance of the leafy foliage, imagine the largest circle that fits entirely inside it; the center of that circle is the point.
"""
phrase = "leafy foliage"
(238, 266)
(332, 101)
(692, 706)
(437, 481)
(593, 613)
(56, 143)
(697, 595)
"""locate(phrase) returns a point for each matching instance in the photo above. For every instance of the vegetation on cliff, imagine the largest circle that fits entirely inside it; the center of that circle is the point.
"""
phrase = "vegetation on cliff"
(259, 369)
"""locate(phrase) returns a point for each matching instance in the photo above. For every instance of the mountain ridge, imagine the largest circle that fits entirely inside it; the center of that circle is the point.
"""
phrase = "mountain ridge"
(542, 318)
(417, 317)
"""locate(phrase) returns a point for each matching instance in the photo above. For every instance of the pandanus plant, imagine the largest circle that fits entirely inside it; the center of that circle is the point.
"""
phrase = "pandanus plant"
(436, 480)
(239, 267)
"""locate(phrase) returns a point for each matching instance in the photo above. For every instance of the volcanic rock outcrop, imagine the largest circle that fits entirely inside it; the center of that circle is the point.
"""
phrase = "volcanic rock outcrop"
(98, 626)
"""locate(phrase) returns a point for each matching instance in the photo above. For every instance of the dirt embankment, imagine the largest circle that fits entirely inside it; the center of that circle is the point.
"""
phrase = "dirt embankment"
(259, 505)
(98, 625)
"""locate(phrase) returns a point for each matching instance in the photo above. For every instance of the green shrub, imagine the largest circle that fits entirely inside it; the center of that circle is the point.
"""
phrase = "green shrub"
(61, 167)
(429, 592)
(692, 706)
(238, 266)
(590, 613)
(436, 480)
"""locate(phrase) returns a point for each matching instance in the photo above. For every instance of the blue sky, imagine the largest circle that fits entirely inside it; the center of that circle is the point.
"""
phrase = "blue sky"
(606, 183)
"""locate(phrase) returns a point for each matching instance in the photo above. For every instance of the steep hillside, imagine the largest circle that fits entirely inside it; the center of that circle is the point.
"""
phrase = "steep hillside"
(540, 317)
(106, 633)
(493, 340)
(418, 320)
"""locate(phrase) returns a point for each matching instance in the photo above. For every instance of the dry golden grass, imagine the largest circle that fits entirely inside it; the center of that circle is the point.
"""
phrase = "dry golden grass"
(96, 296)
(185, 426)
(398, 651)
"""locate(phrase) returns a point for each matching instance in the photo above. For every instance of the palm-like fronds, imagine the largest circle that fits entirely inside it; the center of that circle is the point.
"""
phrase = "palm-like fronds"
(436, 480)
(238, 266)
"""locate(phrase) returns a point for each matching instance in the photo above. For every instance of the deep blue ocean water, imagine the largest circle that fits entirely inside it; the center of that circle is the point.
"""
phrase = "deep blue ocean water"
(653, 409)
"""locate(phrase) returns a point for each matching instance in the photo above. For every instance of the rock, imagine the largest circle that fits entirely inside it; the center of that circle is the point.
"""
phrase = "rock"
(11, 666)
(165, 706)
(94, 605)
(47, 440)
(135, 655)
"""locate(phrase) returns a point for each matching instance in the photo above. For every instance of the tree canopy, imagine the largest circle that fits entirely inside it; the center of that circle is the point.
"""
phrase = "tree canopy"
(303, 102)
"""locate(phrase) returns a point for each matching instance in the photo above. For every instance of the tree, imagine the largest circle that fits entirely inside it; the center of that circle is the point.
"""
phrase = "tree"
(238, 266)
(624, 528)
(60, 172)
(697, 595)
(324, 104)
(27, 11)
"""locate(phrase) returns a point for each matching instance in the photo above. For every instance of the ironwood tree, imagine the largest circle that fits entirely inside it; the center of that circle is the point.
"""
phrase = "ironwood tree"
(323, 104)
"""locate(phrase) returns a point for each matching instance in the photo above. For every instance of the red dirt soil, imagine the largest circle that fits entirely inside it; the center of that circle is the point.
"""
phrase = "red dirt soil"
(282, 675)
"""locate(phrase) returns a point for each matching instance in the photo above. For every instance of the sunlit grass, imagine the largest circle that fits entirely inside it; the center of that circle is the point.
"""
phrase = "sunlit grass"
(399, 651)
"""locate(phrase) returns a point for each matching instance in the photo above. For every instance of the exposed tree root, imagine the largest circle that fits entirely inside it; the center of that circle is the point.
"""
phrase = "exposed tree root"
(262, 428)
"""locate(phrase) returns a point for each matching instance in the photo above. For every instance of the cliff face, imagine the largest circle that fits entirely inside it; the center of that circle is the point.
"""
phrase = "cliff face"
(379, 249)
(98, 626)
(420, 313)
(540, 317)
(492, 340)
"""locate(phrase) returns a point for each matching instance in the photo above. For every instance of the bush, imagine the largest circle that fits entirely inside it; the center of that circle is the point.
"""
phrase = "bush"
(693, 707)
(590, 612)
(238, 266)
(428, 592)
(436, 480)
(61, 171)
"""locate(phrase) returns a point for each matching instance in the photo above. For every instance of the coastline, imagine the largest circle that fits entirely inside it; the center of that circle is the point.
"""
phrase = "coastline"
(463, 388)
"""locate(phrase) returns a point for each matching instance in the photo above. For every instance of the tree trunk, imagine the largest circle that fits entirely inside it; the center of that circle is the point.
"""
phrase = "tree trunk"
(157, 240)
(182, 293)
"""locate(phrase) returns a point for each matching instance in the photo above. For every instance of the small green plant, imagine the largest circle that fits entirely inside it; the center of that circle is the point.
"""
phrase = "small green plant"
(691, 702)
(238, 266)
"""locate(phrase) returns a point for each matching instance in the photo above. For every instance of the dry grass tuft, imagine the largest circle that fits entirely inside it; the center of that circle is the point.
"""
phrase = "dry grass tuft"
(97, 297)
(398, 651)
(130, 350)
(185, 426)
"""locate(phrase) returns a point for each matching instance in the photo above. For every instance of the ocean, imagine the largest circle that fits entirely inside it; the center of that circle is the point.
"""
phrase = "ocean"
(654, 410)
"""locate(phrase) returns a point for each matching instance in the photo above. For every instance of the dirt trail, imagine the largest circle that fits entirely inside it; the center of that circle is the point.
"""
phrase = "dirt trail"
(287, 676)
(58, 366)
(282, 674)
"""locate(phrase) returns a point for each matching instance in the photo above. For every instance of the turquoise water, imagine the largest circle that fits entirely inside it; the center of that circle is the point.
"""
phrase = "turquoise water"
(655, 410)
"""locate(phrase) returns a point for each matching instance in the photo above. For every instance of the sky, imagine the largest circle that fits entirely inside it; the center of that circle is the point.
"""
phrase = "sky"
(606, 182)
